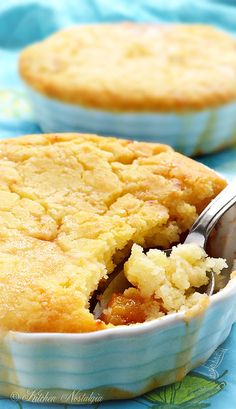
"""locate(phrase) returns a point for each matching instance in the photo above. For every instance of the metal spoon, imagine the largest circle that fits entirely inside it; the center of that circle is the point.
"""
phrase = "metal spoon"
(198, 234)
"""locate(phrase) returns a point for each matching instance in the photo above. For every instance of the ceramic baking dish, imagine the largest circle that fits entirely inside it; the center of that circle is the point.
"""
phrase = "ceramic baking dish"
(191, 133)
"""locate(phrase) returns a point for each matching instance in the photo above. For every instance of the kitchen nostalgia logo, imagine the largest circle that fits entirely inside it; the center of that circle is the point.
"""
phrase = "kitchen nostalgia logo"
(71, 397)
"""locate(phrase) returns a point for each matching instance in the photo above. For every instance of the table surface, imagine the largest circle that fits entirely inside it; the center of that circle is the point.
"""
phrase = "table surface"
(212, 385)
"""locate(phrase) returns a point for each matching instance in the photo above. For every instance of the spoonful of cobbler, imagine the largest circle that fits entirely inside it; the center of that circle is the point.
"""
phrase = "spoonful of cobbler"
(158, 282)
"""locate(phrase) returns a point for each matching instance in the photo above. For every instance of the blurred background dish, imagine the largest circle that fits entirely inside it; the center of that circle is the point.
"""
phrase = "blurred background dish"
(168, 83)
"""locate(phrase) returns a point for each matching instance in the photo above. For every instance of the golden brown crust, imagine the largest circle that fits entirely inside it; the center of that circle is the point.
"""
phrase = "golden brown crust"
(69, 204)
(135, 67)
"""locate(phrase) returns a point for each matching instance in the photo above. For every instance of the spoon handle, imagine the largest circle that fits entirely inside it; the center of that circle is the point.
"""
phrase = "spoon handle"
(211, 214)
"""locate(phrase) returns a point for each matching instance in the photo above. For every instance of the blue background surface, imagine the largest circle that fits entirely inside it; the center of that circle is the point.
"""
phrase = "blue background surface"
(25, 22)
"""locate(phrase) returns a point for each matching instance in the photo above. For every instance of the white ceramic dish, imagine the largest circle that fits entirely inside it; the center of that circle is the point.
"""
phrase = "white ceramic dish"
(191, 133)
(123, 362)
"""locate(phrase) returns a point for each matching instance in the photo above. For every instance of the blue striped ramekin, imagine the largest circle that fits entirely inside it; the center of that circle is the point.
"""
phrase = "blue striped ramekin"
(116, 363)
(123, 362)
(192, 133)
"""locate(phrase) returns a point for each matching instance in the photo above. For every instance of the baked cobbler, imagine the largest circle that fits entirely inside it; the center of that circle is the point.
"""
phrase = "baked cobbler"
(134, 67)
(71, 208)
